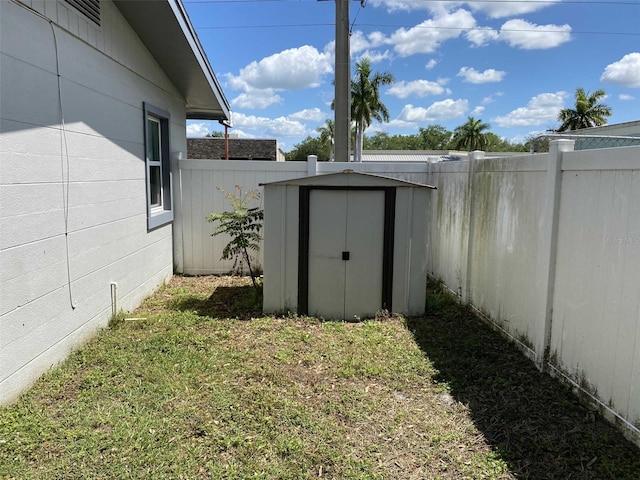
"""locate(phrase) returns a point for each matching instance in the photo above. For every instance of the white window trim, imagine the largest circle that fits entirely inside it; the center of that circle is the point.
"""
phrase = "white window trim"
(158, 216)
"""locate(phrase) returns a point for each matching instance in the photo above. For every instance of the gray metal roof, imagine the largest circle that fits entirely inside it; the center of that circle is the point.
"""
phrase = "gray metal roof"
(349, 177)
(412, 155)
(165, 29)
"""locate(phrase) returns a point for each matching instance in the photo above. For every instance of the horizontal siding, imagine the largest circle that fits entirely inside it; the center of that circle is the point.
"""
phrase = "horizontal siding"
(73, 200)
(19, 91)
(51, 311)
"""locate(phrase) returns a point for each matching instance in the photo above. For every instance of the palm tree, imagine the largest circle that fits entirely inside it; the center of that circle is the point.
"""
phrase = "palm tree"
(327, 134)
(471, 136)
(589, 111)
(365, 100)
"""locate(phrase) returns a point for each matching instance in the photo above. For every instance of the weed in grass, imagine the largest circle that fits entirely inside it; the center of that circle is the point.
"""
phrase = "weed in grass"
(203, 390)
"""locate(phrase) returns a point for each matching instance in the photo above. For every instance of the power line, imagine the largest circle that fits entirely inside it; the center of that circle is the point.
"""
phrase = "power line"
(548, 2)
(432, 27)
(435, 27)
(382, 25)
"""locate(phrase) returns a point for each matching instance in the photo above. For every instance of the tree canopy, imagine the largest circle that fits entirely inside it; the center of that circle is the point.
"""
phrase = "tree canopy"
(589, 111)
(471, 135)
(327, 134)
(365, 100)
(433, 137)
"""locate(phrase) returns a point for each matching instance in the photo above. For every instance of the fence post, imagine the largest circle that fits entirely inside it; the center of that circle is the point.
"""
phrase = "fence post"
(550, 238)
(312, 165)
(473, 158)
(178, 217)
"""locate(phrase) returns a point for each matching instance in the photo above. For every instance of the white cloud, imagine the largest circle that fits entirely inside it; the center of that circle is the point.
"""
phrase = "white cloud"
(626, 97)
(476, 112)
(528, 36)
(491, 98)
(237, 133)
(430, 64)
(285, 127)
(541, 109)
(427, 36)
(376, 56)
(471, 75)
(496, 9)
(269, 127)
(308, 115)
(419, 88)
(482, 36)
(625, 72)
(447, 24)
(361, 46)
(200, 129)
(376, 39)
(508, 9)
(357, 42)
(256, 99)
(398, 124)
(394, 5)
(438, 111)
(292, 69)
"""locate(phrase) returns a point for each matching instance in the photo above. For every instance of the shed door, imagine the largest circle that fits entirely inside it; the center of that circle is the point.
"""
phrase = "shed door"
(345, 252)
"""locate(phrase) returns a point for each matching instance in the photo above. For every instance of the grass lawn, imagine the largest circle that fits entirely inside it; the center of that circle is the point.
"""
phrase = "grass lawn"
(198, 384)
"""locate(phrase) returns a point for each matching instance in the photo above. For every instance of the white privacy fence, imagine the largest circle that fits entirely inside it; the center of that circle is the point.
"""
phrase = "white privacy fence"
(546, 246)
(202, 184)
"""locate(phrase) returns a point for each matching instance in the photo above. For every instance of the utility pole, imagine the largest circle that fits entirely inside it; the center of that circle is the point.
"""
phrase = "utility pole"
(342, 121)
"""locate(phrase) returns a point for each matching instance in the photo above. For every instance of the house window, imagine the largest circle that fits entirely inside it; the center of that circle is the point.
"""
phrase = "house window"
(158, 163)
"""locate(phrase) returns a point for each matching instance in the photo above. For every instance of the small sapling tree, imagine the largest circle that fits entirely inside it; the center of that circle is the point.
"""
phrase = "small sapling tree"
(243, 224)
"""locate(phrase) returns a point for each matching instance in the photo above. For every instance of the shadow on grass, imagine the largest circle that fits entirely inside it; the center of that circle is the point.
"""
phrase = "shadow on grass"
(531, 420)
(241, 302)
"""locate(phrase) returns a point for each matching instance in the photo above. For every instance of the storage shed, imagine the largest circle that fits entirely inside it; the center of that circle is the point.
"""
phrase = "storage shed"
(345, 245)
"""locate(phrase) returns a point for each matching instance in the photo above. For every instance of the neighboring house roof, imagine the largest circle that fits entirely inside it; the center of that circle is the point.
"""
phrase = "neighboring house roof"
(211, 148)
(432, 156)
(631, 129)
(165, 29)
(606, 136)
(411, 155)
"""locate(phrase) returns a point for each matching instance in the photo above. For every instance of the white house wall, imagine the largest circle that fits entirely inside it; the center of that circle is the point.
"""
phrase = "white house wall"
(73, 203)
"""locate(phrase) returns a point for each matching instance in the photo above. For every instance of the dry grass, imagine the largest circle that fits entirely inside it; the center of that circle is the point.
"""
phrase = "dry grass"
(202, 385)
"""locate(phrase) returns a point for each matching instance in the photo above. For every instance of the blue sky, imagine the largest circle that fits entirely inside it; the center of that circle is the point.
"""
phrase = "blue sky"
(513, 64)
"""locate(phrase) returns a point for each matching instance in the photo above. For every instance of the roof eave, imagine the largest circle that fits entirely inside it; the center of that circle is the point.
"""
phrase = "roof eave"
(164, 27)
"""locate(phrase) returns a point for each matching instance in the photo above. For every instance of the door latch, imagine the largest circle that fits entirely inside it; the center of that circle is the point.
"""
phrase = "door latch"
(345, 255)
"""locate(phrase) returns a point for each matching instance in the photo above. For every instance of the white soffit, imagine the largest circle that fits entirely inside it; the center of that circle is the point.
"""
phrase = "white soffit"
(165, 29)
